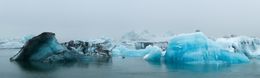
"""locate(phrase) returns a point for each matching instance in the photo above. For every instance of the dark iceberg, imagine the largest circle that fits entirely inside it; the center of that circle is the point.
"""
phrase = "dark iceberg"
(45, 48)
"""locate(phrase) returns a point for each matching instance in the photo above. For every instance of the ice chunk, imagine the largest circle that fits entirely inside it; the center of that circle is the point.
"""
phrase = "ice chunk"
(197, 48)
(155, 54)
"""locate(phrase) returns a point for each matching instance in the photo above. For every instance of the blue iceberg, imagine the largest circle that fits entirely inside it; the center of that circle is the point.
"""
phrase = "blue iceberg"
(196, 48)
(154, 55)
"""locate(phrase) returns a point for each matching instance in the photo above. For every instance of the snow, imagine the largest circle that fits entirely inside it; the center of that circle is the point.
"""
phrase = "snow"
(196, 48)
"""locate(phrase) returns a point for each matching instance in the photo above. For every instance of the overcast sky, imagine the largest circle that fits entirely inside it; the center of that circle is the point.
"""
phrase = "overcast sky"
(84, 19)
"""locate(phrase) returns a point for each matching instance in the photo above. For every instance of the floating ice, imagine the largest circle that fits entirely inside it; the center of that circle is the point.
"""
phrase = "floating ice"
(197, 48)
(126, 52)
(154, 55)
(45, 48)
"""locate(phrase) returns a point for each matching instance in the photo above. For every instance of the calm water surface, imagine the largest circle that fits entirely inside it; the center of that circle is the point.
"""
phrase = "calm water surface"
(133, 67)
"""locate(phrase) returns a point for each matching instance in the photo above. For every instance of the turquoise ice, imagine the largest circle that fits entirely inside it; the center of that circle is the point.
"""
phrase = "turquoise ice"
(196, 48)
(154, 55)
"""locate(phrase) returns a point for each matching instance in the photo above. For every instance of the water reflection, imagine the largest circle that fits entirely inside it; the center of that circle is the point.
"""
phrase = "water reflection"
(198, 67)
(169, 67)
(191, 67)
(37, 66)
(50, 67)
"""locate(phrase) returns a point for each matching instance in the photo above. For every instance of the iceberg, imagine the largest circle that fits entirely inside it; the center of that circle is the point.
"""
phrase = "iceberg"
(96, 47)
(196, 48)
(39, 48)
(154, 55)
(45, 48)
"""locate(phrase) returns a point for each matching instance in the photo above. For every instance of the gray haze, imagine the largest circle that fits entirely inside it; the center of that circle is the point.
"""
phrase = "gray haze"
(84, 19)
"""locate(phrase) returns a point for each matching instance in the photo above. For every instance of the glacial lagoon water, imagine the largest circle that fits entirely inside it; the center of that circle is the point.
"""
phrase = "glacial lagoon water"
(130, 67)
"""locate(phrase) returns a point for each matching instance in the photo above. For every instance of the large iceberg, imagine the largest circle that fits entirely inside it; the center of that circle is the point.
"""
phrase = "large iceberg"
(45, 48)
(196, 48)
